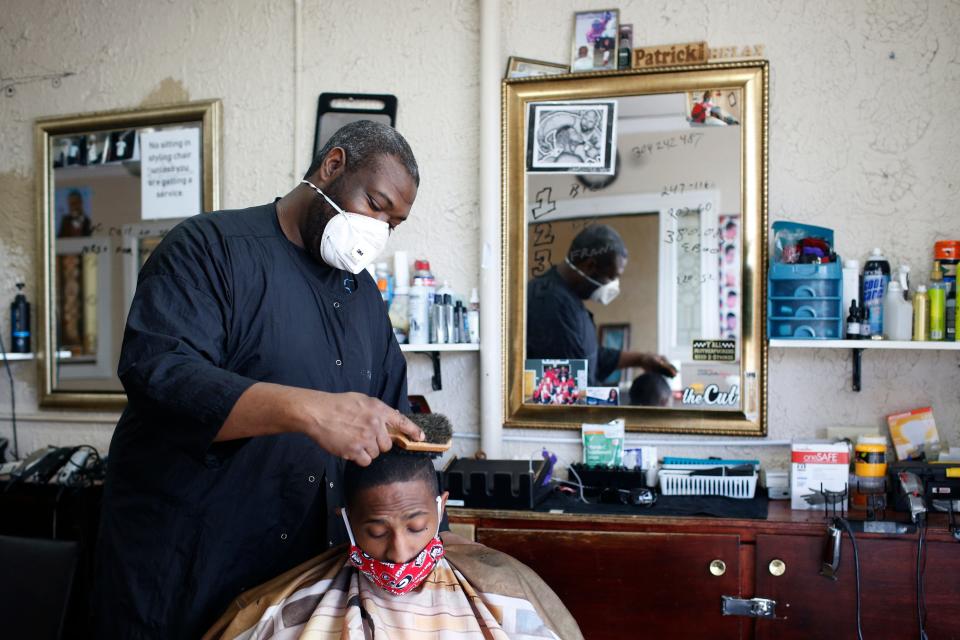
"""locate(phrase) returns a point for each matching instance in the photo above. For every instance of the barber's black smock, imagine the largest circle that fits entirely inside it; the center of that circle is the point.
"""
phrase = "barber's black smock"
(559, 325)
(225, 301)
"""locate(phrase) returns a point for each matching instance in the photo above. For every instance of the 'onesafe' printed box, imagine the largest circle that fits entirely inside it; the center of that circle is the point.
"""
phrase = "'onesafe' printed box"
(815, 467)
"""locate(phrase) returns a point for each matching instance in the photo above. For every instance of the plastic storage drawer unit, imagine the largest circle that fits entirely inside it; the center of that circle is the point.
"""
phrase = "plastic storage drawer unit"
(805, 301)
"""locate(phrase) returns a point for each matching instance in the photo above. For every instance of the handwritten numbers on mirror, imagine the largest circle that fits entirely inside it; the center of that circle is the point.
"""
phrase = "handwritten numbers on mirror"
(543, 237)
(542, 261)
(678, 141)
(543, 234)
(577, 188)
(545, 203)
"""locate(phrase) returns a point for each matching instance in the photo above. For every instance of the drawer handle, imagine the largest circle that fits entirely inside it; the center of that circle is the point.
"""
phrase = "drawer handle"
(777, 567)
(804, 329)
(718, 568)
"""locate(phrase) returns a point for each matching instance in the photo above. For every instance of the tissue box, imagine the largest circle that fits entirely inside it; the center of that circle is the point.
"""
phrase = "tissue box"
(816, 466)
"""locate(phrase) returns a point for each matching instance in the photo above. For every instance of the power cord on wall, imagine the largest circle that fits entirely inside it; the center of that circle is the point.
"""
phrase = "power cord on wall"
(13, 401)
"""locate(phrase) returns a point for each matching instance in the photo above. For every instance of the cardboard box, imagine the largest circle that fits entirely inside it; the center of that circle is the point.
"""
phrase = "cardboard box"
(914, 433)
(814, 466)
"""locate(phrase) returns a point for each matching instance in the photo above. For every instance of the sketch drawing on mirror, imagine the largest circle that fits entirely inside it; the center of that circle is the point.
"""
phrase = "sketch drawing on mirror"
(572, 137)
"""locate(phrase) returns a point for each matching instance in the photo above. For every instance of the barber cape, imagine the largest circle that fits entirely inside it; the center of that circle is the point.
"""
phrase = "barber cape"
(474, 592)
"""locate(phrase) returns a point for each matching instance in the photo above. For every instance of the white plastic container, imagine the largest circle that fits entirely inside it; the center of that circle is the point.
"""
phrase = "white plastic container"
(903, 275)
(897, 314)
(681, 483)
(851, 282)
(419, 314)
(473, 317)
(400, 314)
(401, 271)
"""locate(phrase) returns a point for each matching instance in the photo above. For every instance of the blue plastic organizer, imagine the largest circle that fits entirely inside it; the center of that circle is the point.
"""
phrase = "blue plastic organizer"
(805, 301)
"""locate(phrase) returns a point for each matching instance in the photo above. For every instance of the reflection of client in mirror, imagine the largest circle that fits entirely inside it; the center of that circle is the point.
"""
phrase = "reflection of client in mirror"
(650, 390)
(559, 325)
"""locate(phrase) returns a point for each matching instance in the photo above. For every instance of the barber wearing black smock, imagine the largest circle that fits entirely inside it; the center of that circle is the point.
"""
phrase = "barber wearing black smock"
(560, 326)
(257, 355)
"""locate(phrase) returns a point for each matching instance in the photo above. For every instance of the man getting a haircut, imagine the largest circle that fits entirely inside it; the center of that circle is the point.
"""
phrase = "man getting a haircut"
(398, 578)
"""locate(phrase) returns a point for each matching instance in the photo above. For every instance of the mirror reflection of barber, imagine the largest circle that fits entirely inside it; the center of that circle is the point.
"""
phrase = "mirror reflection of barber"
(560, 326)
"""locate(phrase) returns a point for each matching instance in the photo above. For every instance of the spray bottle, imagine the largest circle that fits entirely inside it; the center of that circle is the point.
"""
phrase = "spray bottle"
(904, 275)
(876, 277)
(20, 322)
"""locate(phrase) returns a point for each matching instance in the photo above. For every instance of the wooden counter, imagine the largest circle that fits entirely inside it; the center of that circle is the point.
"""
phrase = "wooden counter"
(663, 577)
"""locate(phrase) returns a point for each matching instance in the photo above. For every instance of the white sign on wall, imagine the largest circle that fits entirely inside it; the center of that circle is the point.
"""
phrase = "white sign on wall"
(170, 173)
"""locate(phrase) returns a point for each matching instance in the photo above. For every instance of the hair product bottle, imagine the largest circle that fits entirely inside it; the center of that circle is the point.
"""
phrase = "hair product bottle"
(853, 322)
(419, 303)
(20, 322)
(938, 303)
(473, 317)
(921, 314)
(876, 276)
(904, 275)
(851, 280)
(897, 314)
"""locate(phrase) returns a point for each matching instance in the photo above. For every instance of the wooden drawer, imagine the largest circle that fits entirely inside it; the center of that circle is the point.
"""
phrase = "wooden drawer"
(812, 606)
(631, 585)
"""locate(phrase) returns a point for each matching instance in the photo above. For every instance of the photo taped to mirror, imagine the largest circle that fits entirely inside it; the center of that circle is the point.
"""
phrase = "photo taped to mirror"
(572, 137)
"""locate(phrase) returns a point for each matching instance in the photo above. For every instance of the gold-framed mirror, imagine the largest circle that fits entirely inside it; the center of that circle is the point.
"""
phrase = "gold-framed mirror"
(656, 181)
(109, 186)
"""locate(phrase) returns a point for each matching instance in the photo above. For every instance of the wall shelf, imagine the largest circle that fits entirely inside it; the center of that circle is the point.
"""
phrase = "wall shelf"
(21, 357)
(866, 344)
(434, 351)
(857, 347)
(428, 348)
(14, 357)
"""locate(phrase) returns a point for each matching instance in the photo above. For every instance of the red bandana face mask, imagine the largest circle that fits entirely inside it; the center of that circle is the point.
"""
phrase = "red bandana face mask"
(397, 578)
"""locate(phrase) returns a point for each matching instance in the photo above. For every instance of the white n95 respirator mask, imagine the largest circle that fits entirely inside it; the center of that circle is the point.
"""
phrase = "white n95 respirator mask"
(351, 241)
(604, 293)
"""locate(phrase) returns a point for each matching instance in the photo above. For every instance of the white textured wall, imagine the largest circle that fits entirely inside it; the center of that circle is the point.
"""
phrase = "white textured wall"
(862, 131)
(126, 54)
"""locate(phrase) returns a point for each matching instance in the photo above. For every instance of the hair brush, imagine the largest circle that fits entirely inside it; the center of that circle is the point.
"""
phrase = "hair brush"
(437, 432)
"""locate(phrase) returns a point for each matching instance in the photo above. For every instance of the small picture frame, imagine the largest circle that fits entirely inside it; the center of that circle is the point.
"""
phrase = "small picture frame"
(572, 137)
(595, 36)
(625, 46)
(527, 68)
